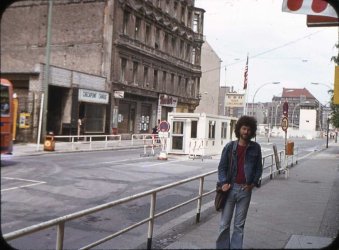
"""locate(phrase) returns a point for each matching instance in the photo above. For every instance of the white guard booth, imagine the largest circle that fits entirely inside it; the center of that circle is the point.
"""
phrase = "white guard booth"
(199, 133)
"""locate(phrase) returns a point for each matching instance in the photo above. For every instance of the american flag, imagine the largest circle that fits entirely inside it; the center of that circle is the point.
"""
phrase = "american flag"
(246, 74)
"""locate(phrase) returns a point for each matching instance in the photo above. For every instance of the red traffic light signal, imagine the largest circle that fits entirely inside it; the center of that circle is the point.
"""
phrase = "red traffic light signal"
(285, 109)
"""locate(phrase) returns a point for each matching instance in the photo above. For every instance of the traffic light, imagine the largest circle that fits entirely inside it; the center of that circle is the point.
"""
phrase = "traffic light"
(285, 109)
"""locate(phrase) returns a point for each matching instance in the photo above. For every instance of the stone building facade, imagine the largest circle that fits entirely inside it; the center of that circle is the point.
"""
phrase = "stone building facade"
(119, 65)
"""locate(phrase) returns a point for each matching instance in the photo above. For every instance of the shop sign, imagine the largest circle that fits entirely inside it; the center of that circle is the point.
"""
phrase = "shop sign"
(234, 101)
(168, 101)
(119, 94)
(86, 95)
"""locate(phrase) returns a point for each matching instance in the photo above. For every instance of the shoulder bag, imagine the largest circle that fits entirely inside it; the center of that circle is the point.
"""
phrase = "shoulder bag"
(221, 196)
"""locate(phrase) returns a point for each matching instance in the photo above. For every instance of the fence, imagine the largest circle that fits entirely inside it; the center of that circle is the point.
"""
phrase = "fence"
(268, 162)
(88, 141)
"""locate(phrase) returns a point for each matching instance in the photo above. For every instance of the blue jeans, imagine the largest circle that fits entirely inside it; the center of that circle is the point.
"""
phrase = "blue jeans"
(240, 200)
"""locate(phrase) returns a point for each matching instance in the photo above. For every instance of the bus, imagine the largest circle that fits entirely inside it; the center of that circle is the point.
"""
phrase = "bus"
(6, 122)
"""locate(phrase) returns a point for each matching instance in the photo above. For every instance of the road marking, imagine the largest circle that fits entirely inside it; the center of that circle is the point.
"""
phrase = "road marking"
(28, 185)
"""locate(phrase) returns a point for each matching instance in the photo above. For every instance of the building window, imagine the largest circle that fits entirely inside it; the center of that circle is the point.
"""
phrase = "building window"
(186, 86)
(164, 83)
(193, 88)
(174, 45)
(172, 84)
(189, 19)
(166, 42)
(135, 72)
(188, 50)
(146, 76)
(157, 38)
(211, 130)
(224, 130)
(183, 10)
(167, 6)
(125, 22)
(182, 55)
(148, 34)
(155, 79)
(123, 69)
(179, 85)
(193, 56)
(175, 7)
(137, 28)
(196, 23)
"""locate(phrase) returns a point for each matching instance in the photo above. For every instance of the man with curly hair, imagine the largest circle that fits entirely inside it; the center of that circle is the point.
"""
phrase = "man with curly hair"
(244, 159)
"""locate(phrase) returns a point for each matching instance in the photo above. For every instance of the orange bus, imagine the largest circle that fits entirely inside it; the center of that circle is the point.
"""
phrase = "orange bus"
(6, 122)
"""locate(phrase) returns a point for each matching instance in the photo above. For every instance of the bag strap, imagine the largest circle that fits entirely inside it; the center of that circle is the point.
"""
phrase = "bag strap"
(230, 163)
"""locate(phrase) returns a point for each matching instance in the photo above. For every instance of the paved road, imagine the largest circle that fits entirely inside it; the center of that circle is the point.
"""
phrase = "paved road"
(42, 187)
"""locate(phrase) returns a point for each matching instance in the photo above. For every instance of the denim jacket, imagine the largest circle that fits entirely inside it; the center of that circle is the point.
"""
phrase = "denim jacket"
(253, 163)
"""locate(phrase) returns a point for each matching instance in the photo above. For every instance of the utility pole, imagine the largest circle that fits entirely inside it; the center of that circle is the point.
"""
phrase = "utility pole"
(46, 72)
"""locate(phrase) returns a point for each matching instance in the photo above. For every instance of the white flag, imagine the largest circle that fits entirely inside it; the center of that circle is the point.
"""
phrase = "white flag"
(309, 7)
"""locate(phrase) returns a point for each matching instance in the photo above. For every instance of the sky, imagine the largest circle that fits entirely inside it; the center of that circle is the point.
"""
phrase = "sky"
(280, 46)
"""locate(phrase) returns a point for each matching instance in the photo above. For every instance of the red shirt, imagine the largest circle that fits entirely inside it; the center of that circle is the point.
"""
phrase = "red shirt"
(241, 150)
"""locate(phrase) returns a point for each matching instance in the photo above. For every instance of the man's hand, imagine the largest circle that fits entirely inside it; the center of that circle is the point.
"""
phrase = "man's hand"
(226, 187)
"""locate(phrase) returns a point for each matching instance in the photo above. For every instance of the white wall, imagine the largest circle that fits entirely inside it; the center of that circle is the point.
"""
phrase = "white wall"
(209, 81)
(308, 119)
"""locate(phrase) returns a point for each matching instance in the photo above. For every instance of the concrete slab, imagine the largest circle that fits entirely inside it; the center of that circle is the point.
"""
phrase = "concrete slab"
(308, 242)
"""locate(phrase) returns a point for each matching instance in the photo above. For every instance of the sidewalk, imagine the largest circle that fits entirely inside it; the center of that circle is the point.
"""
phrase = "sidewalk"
(29, 149)
(300, 212)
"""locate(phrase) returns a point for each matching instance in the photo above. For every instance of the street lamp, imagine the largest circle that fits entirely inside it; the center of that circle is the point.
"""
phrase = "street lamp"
(257, 92)
(319, 83)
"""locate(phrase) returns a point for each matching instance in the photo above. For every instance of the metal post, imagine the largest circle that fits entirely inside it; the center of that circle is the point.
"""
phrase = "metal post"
(151, 222)
(60, 236)
(201, 189)
(328, 128)
(46, 74)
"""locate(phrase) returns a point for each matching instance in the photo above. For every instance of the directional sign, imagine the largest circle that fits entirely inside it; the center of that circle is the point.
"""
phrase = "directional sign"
(284, 123)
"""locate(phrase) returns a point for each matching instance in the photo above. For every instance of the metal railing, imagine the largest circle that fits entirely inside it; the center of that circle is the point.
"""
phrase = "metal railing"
(89, 141)
(60, 222)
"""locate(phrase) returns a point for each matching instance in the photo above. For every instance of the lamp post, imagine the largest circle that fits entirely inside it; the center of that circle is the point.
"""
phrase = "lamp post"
(276, 114)
(257, 92)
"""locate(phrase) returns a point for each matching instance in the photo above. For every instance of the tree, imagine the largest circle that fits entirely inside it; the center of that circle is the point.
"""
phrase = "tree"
(334, 107)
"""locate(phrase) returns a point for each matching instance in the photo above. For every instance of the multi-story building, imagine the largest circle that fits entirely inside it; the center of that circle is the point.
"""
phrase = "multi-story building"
(120, 65)
(233, 102)
(297, 99)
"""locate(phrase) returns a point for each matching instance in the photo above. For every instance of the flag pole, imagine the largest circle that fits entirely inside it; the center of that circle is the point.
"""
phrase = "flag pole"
(245, 86)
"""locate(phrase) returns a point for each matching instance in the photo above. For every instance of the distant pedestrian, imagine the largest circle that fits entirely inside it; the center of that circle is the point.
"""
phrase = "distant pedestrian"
(155, 133)
(246, 169)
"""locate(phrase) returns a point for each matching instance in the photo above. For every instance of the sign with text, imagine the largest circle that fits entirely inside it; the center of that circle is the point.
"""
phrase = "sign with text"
(119, 94)
(86, 95)
(234, 100)
(168, 101)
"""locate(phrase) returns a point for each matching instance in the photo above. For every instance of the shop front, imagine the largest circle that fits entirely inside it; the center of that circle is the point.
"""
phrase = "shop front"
(93, 107)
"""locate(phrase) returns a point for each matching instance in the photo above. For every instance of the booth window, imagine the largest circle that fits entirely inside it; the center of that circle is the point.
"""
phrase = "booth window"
(224, 130)
(211, 130)
(194, 127)
(178, 135)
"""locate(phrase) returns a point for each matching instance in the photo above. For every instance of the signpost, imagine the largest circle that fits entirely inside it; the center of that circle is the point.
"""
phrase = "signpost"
(164, 127)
